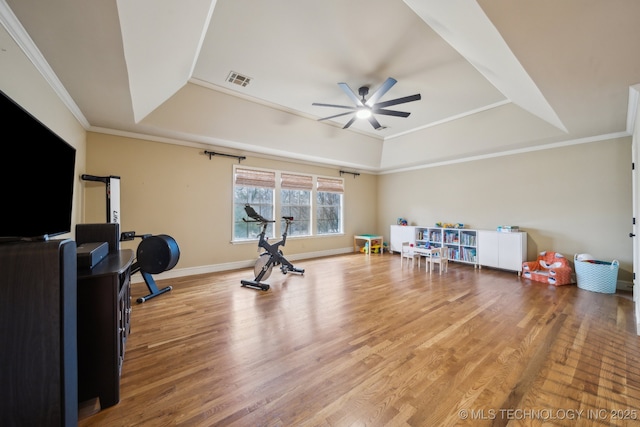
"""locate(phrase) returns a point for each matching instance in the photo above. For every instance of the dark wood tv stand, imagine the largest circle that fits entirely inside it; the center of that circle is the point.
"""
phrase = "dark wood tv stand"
(38, 371)
(104, 315)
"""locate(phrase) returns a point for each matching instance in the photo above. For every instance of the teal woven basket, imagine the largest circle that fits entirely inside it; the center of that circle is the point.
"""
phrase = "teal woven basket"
(597, 276)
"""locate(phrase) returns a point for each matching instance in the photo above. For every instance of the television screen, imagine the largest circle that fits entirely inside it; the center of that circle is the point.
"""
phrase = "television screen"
(37, 175)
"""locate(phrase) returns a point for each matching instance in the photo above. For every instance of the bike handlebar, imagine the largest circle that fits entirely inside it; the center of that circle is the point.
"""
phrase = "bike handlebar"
(286, 218)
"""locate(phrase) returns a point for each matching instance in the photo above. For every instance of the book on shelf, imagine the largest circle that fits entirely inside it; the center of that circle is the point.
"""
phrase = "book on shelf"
(468, 239)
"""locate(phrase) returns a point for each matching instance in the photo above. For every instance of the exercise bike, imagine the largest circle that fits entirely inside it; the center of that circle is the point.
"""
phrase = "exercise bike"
(272, 255)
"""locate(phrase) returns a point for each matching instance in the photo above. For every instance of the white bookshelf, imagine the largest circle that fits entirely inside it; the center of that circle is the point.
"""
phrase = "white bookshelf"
(502, 250)
(461, 243)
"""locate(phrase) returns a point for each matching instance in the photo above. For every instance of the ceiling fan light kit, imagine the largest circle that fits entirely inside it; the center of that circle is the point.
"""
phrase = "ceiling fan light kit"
(366, 108)
(363, 113)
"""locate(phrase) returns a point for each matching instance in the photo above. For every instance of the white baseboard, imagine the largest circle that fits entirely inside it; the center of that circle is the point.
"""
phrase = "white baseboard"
(213, 268)
(624, 285)
(637, 303)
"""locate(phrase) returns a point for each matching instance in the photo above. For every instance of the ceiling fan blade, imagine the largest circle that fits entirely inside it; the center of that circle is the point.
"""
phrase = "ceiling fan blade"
(380, 92)
(374, 123)
(337, 115)
(350, 122)
(333, 105)
(397, 101)
(391, 112)
(351, 94)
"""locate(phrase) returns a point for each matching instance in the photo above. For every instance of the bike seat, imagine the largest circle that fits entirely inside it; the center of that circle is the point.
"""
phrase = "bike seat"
(255, 215)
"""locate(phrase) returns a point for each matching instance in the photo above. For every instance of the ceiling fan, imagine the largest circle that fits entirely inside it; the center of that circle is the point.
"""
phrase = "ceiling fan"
(365, 108)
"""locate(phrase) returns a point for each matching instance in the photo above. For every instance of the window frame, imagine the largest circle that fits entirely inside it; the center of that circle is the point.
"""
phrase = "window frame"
(252, 180)
(296, 186)
(277, 227)
(330, 186)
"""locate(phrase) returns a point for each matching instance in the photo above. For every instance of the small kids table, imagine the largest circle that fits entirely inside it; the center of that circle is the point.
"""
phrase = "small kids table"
(370, 238)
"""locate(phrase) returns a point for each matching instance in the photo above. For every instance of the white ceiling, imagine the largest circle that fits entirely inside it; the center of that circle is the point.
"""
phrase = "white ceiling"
(495, 76)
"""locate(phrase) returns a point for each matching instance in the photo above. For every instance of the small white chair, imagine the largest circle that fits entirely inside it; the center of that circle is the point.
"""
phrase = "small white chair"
(408, 254)
(439, 256)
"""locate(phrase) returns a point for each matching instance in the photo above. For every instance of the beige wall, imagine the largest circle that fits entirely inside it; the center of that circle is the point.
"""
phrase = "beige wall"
(176, 190)
(574, 199)
(22, 82)
(570, 199)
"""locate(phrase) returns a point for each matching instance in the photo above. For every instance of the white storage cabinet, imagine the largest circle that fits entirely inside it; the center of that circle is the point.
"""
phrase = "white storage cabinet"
(506, 251)
(399, 234)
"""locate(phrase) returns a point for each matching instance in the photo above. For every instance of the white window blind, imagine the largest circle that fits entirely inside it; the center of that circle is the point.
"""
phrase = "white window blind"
(331, 185)
(296, 182)
(255, 178)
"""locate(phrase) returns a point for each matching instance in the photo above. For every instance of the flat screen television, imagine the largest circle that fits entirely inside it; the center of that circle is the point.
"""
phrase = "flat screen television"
(37, 174)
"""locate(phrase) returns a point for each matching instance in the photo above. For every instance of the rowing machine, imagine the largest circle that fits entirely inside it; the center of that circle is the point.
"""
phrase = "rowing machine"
(155, 254)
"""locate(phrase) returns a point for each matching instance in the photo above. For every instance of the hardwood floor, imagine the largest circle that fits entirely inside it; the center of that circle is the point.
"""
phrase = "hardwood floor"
(359, 341)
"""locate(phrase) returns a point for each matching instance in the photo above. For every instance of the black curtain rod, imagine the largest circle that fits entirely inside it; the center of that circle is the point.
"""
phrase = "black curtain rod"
(351, 173)
(213, 153)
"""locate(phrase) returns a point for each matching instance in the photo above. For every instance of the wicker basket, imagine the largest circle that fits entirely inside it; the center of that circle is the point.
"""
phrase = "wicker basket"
(597, 276)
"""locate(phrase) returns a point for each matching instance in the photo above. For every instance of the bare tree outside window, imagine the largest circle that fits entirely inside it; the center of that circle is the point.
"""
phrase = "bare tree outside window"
(261, 200)
(329, 212)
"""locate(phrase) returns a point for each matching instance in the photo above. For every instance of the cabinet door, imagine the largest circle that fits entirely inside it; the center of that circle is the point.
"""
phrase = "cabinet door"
(488, 248)
(511, 254)
(399, 234)
(38, 362)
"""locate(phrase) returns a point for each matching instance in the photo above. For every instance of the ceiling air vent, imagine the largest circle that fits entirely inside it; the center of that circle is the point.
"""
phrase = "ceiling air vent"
(238, 79)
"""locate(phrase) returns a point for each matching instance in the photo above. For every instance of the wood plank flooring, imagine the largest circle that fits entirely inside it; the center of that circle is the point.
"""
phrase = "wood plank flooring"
(361, 341)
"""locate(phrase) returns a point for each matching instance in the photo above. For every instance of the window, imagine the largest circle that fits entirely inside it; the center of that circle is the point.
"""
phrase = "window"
(256, 188)
(295, 201)
(329, 205)
(314, 202)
